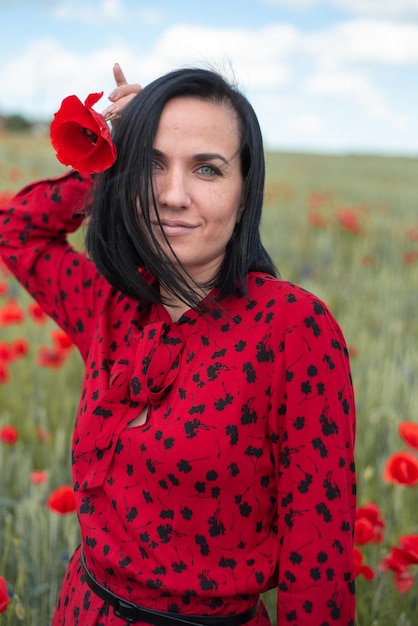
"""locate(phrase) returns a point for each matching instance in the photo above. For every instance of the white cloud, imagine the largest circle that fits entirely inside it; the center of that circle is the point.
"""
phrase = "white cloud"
(107, 12)
(111, 9)
(46, 72)
(296, 81)
(355, 87)
(151, 16)
(307, 123)
(382, 8)
(379, 8)
(77, 10)
(365, 41)
(258, 58)
(344, 59)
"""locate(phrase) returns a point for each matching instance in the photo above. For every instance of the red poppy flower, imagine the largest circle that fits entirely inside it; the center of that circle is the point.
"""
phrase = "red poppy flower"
(410, 257)
(19, 348)
(399, 560)
(316, 219)
(402, 469)
(6, 352)
(61, 339)
(38, 477)
(352, 351)
(412, 233)
(51, 357)
(360, 568)
(5, 197)
(363, 531)
(403, 581)
(9, 435)
(81, 137)
(316, 200)
(408, 431)
(37, 313)
(4, 595)
(62, 500)
(11, 313)
(4, 288)
(410, 543)
(369, 527)
(4, 373)
(348, 219)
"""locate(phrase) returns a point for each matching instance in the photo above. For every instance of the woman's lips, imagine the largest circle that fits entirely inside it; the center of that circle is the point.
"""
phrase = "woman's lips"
(174, 228)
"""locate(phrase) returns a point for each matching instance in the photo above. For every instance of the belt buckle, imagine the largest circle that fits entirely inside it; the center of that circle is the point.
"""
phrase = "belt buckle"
(125, 610)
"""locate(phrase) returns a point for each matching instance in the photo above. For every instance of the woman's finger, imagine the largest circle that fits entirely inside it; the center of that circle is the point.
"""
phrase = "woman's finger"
(121, 95)
(123, 91)
(119, 75)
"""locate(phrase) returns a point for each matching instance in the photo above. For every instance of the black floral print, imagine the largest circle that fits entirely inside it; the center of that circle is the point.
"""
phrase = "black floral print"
(242, 477)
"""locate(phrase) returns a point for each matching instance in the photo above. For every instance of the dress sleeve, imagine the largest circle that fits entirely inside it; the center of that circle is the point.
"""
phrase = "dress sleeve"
(315, 431)
(33, 244)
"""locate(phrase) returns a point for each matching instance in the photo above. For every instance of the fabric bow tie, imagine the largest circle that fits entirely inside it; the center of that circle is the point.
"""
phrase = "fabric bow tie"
(138, 378)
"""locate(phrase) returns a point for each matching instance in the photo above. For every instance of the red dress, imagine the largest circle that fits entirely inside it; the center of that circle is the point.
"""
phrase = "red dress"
(242, 477)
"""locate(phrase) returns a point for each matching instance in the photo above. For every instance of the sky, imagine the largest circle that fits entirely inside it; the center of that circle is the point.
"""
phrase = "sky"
(330, 76)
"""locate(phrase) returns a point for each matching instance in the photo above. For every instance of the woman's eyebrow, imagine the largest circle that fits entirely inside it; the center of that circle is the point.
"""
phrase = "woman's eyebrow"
(201, 156)
(210, 156)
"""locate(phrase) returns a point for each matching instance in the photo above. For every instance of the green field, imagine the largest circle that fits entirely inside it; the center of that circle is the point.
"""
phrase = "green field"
(344, 227)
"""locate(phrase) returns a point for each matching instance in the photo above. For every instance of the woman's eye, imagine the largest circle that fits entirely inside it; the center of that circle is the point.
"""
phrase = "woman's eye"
(208, 170)
(155, 165)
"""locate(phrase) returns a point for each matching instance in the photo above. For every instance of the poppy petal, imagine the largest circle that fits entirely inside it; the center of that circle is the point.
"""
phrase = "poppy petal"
(408, 431)
(80, 136)
(402, 469)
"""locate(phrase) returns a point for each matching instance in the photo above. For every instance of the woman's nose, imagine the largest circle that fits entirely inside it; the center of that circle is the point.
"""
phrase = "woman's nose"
(173, 190)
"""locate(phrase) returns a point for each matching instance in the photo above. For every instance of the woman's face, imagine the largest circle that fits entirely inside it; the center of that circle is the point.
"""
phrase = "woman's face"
(197, 183)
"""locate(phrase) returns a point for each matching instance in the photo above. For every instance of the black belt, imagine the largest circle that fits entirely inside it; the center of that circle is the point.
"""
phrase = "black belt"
(133, 613)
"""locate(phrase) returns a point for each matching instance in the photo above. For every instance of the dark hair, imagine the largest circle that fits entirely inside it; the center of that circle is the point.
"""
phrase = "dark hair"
(115, 240)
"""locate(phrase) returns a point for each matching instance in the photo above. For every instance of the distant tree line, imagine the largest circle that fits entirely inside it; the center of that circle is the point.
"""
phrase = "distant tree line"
(16, 123)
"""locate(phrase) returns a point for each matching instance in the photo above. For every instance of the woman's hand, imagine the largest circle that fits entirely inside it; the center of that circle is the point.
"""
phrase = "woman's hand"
(121, 95)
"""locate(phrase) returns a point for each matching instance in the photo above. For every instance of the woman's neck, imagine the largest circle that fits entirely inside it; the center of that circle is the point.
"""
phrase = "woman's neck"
(174, 306)
(175, 311)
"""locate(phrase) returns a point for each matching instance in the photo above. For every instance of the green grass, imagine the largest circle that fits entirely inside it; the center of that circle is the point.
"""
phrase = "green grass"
(372, 292)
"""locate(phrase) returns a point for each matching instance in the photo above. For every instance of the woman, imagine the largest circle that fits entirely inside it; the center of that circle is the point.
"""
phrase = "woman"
(213, 448)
